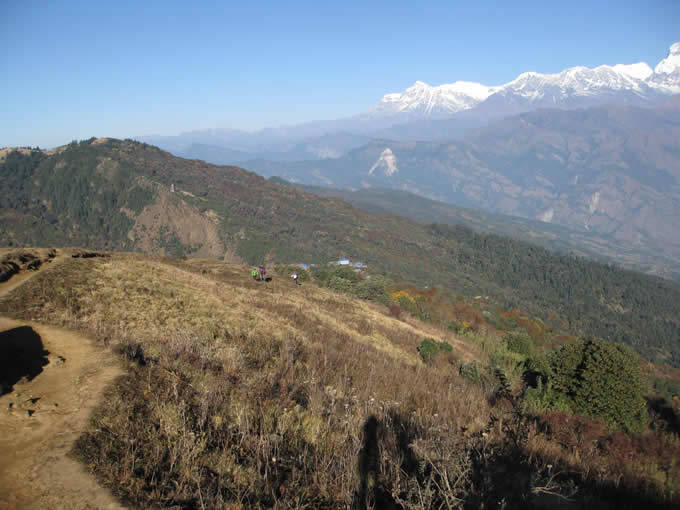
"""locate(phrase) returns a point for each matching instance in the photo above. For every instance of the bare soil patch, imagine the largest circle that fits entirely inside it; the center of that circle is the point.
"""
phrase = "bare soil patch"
(42, 417)
(52, 379)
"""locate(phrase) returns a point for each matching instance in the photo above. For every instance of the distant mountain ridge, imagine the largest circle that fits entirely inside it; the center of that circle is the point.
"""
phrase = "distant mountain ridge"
(573, 87)
(412, 114)
(610, 170)
(580, 242)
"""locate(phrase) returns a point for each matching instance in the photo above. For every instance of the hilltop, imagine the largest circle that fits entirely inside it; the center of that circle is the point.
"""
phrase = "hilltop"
(112, 194)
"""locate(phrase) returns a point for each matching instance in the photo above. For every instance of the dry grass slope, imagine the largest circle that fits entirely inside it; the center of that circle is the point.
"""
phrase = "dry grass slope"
(243, 391)
(243, 394)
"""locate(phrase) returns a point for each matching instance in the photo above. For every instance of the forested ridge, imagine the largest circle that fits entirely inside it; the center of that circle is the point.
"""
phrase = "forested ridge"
(91, 194)
(598, 299)
(557, 238)
(75, 197)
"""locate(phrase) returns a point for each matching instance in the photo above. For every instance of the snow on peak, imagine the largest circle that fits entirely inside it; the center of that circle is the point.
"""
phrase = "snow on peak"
(445, 99)
(391, 98)
(640, 71)
(637, 81)
(526, 75)
(671, 63)
(469, 88)
(387, 162)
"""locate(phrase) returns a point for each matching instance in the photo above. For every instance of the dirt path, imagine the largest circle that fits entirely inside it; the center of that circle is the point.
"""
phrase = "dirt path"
(41, 418)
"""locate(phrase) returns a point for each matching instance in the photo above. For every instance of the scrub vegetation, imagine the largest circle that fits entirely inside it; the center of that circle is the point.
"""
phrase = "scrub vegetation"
(247, 394)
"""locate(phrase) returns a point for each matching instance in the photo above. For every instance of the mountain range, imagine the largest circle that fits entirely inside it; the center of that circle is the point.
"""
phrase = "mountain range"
(572, 88)
(594, 150)
(610, 170)
(464, 105)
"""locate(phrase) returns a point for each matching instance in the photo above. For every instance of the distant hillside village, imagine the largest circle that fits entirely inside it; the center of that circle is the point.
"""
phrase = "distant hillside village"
(339, 262)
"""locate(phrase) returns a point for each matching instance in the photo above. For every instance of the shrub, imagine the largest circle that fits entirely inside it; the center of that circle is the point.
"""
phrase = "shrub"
(597, 379)
(345, 272)
(470, 371)
(395, 311)
(455, 326)
(303, 274)
(610, 385)
(407, 303)
(415, 306)
(430, 348)
(537, 370)
(574, 432)
(340, 284)
(518, 342)
(540, 399)
(373, 289)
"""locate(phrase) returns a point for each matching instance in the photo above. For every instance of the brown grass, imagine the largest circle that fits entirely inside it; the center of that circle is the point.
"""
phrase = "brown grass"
(245, 394)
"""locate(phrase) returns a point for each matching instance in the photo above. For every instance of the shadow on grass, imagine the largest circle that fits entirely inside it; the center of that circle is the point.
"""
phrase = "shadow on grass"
(668, 417)
(371, 494)
(22, 354)
(501, 475)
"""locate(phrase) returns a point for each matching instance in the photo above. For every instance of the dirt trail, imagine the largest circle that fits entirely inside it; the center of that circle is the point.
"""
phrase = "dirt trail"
(40, 419)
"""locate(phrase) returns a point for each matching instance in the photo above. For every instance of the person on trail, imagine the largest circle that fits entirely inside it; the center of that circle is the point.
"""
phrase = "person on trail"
(294, 276)
(263, 273)
(254, 273)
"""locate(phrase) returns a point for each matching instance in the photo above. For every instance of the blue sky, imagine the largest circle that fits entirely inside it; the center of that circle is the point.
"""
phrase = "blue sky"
(72, 70)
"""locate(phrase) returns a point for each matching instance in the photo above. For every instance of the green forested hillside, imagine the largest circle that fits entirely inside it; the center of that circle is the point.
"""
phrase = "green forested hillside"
(595, 298)
(75, 197)
(116, 194)
(600, 247)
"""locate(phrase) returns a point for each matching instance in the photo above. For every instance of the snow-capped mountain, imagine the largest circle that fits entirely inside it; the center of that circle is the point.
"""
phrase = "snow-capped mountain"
(424, 112)
(671, 63)
(572, 88)
(667, 72)
(435, 101)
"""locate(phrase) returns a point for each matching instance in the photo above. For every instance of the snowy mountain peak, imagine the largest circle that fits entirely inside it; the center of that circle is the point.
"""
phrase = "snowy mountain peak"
(423, 99)
(640, 71)
(671, 63)
(574, 87)
(469, 88)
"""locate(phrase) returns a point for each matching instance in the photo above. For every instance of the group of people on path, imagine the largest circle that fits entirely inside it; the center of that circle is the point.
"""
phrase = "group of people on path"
(260, 274)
